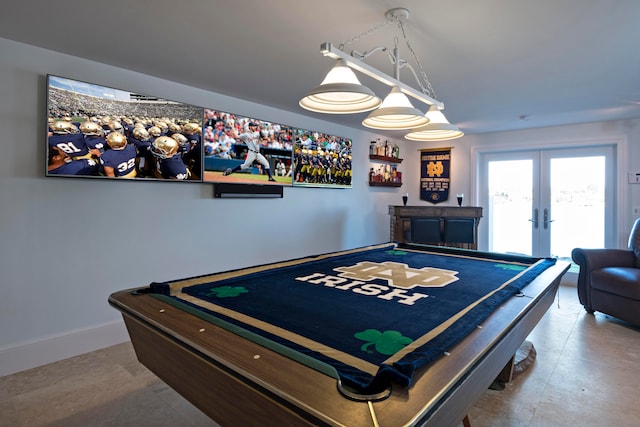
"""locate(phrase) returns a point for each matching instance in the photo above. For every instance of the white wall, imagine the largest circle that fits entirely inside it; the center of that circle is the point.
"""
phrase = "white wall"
(66, 244)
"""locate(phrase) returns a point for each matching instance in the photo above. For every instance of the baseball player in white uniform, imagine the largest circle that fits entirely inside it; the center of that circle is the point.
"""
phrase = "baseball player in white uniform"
(252, 138)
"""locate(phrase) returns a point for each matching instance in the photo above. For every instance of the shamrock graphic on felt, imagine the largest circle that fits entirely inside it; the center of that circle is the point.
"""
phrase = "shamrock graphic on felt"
(510, 267)
(227, 291)
(387, 342)
(396, 252)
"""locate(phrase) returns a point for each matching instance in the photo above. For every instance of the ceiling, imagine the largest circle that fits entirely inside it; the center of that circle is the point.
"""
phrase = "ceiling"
(496, 64)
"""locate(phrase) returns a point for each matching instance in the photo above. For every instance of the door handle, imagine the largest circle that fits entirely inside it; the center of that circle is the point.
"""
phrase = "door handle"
(546, 218)
(534, 220)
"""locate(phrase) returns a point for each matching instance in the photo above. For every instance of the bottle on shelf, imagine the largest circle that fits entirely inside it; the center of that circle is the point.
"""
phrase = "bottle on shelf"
(385, 157)
(379, 148)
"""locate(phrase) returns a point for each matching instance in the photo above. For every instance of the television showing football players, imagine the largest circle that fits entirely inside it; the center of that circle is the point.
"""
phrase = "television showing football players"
(321, 160)
(102, 132)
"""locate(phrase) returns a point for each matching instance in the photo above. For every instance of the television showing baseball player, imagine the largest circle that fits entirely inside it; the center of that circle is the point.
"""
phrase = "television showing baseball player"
(239, 149)
(100, 132)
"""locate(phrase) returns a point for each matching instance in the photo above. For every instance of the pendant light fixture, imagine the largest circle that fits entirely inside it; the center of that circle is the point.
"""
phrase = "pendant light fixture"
(342, 93)
(438, 128)
(395, 113)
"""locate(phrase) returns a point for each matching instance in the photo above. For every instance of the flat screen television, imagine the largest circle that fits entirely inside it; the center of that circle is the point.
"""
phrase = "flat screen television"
(240, 149)
(321, 160)
(106, 133)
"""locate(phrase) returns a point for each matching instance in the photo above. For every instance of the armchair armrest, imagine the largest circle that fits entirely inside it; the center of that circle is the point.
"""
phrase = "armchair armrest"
(595, 259)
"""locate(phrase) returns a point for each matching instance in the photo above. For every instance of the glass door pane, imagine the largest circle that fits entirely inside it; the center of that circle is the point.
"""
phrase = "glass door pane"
(577, 204)
(510, 199)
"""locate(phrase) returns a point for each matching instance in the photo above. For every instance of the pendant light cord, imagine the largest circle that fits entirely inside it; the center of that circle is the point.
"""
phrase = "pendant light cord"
(426, 88)
(429, 88)
(364, 35)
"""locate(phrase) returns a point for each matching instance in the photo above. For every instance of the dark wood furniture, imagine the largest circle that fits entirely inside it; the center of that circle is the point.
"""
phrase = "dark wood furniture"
(452, 225)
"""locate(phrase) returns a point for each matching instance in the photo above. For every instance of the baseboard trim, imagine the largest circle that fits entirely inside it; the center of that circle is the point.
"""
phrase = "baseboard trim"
(52, 349)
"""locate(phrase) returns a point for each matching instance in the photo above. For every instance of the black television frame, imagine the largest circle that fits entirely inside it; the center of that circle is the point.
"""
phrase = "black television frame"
(221, 156)
(328, 158)
(76, 101)
(73, 100)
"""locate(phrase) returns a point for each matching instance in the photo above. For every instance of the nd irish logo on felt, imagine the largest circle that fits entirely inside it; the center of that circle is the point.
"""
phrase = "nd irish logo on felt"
(399, 275)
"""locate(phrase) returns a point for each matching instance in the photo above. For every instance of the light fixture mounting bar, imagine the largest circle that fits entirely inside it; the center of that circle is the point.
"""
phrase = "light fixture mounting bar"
(327, 49)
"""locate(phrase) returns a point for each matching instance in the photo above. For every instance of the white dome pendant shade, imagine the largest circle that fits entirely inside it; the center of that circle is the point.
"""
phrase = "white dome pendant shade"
(395, 113)
(438, 129)
(340, 93)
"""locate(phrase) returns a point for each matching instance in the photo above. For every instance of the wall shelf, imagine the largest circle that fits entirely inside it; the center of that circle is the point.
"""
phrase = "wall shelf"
(393, 178)
(384, 184)
(385, 158)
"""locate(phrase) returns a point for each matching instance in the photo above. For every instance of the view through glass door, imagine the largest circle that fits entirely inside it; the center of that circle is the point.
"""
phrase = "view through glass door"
(547, 202)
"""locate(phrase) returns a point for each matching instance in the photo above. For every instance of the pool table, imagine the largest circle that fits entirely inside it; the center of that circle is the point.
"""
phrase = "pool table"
(236, 381)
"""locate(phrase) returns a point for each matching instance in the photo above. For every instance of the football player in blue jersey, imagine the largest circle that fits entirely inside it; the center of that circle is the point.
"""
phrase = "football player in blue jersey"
(169, 164)
(59, 163)
(305, 168)
(173, 128)
(141, 139)
(183, 143)
(154, 132)
(68, 138)
(115, 126)
(192, 159)
(93, 135)
(192, 132)
(127, 125)
(120, 160)
(345, 164)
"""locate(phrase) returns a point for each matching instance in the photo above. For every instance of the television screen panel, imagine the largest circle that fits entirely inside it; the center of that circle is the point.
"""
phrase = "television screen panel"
(101, 132)
(321, 160)
(240, 149)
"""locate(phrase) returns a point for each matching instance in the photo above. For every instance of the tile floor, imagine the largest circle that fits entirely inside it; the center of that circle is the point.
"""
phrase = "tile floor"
(586, 373)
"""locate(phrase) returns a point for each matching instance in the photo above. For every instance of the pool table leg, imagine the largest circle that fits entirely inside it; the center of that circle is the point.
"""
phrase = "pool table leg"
(506, 375)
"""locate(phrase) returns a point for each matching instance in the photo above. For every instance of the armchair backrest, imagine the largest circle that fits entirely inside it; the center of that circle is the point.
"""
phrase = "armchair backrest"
(634, 241)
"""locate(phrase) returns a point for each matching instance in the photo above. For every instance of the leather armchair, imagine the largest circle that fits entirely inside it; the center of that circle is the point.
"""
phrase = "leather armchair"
(609, 279)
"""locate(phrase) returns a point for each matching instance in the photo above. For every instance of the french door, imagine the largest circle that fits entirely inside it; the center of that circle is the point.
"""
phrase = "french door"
(547, 202)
